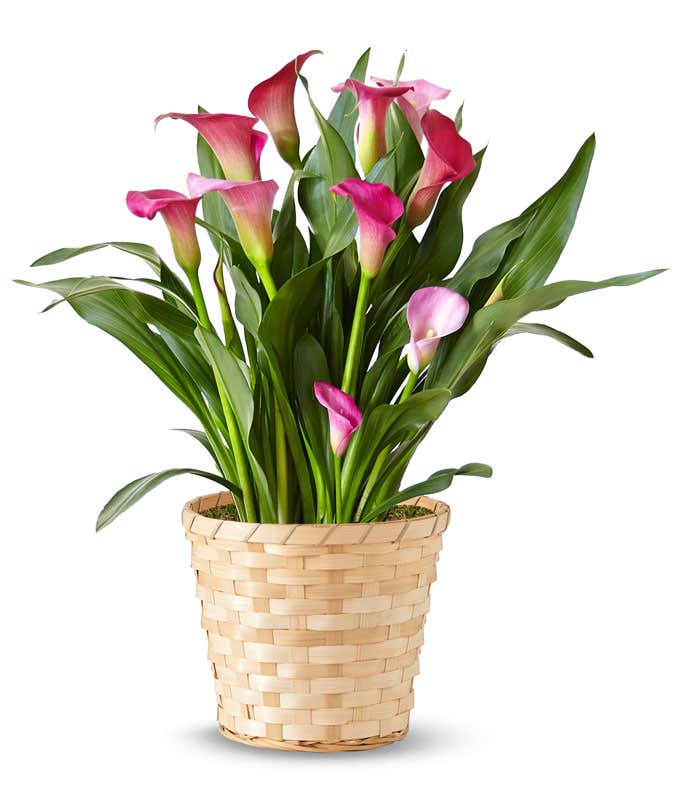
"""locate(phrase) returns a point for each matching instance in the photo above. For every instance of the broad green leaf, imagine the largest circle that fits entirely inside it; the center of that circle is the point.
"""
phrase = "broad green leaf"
(132, 492)
(439, 481)
(141, 250)
(459, 355)
(546, 330)
(200, 436)
(532, 259)
(247, 305)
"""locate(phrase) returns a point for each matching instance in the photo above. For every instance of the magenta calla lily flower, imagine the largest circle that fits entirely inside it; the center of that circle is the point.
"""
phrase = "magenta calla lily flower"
(449, 158)
(272, 102)
(179, 214)
(374, 102)
(251, 205)
(432, 313)
(344, 416)
(416, 102)
(376, 208)
(235, 143)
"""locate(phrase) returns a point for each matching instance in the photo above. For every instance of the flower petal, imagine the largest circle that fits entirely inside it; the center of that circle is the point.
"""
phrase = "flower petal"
(449, 159)
(179, 214)
(251, 204)
(432, 313)
(272, 102)
(235, 143)
(344, 416)
(376, 208)
(416, 102)
(374, 102)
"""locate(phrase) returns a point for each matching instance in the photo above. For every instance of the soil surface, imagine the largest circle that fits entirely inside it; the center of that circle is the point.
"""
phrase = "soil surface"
(398, 513)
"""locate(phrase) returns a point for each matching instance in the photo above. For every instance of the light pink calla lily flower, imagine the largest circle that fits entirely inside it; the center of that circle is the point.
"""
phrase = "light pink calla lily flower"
(432, 313)
(376, 208)
(374, 102)
(235, 143)
(344, 416)
(272, 102)
(250, 204)
(416, 102)
(449, 158)
(179, 214)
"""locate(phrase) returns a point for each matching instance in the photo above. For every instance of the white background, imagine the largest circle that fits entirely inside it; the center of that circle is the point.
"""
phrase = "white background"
(552, 653)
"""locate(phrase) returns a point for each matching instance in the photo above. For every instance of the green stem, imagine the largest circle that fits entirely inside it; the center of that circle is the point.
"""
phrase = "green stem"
(279, 430)
(232, 427)
(202, 309)
(267, 280)
(382, 457)
(409, 387)
(281, 467)
(338, 490)
(356, 336)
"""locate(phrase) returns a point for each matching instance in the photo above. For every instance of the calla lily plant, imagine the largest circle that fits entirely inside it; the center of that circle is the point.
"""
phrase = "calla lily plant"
(339, 341)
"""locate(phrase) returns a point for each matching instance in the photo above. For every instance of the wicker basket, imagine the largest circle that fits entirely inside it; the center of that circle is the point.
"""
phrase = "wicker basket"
(314, 630)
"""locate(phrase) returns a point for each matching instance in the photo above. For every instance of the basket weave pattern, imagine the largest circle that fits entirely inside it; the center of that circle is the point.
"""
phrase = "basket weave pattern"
(314, 630)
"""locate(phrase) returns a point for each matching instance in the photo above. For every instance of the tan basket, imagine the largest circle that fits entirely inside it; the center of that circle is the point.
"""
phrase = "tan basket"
(314, 630)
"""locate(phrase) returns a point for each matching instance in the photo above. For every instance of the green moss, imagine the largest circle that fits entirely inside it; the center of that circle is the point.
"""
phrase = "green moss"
(223, 513)
(405, 512)
(398, 513)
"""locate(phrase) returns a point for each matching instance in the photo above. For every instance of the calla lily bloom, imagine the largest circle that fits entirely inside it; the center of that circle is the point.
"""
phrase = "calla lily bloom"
(272, 102)
(416, 102)
(449, 158)
(344, 416)
(374, 102)
(251, 205)
(432, 313)
(376, 208)
(179, 214)
(235, 143)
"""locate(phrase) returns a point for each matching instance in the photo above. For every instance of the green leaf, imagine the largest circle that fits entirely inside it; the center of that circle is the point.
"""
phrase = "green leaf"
(459, 355)
(439, 481)
(247, 305)
(132, 492)
(141, 250)
(532, 259)
(200, 436)
(546, 330)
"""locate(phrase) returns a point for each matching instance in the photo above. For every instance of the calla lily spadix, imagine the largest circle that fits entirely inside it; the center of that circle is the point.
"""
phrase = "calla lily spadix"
(374, 102)
(272, 102)
(233, 140)
(376, 208)
(432, 313)
(449, 159)
(344, 416)
(416, 102)
(179, 214)
(251, 205)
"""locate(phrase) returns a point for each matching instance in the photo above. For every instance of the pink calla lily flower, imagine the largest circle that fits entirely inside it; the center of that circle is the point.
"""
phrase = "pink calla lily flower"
(432, 313)
(344, 416)
(179, 214)
(416, 102)
(235, 143)
(376, 208)
(272, 102)
(251, 205)
(449, 158)
(374, 102)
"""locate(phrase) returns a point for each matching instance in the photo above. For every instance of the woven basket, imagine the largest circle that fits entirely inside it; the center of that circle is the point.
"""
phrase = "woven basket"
(314, 630)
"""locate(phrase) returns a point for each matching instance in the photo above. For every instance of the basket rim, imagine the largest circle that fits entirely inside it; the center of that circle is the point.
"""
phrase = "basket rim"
(313, 534)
